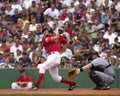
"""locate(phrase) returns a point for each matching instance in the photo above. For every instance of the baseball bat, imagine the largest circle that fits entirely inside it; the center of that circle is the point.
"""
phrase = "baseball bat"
(95, 31)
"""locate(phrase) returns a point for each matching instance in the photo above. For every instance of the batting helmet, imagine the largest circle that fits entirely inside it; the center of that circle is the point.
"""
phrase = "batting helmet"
(49, 29)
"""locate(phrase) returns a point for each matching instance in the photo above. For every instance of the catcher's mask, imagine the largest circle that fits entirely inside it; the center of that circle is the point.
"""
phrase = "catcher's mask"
(49, 29)
(94, 53)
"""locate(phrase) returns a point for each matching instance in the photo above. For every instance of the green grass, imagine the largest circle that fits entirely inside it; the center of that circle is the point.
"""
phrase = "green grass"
(51, 95)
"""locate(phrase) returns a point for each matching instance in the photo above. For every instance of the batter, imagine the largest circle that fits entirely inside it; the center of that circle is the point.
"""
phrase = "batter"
(52, 44)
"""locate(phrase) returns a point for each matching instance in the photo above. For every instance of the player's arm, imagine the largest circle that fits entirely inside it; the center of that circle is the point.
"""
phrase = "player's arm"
(88, 66)
(53, 38)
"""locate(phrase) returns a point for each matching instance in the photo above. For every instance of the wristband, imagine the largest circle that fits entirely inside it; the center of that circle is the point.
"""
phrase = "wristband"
(81, 69)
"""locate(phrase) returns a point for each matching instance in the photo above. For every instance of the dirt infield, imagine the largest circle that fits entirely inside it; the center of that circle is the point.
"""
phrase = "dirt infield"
(62, 91)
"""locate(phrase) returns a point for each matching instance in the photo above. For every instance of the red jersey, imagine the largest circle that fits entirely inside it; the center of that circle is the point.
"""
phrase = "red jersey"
(63, 16)
(22, 79)
(52, 46)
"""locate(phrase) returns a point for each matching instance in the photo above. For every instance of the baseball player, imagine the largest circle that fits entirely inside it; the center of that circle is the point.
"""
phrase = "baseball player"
(23, 81)
(102, 73)
(52, 44)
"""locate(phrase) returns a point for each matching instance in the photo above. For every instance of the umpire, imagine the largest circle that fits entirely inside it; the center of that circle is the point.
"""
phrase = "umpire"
(102, 73)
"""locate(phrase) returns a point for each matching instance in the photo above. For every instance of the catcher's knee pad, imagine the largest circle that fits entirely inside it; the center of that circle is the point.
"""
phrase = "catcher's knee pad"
(96, 78)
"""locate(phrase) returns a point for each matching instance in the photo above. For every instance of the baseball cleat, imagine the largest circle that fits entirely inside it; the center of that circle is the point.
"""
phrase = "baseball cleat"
(72, 87)
(104, 87)
(34, 88)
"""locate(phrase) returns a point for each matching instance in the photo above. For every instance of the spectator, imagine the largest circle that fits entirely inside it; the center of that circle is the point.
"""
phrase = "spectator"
(77, 15)
(7, 64)
(4, 34)
(32, 51)
(16, 16)
(52, 11)
(64, 14)
(70, 19)
(15, 5)
(110, 35)
(39, 33)
(24, 81)
(4, 46)
(30, 38)
(27, 3)
(100, 37)
(68, 28)
(71, 8)
(42, 60)
(96, 25)
(66, 52)
(65, 63)
(9, 10)
(17, 45)
(25, 60)
(18, 54)
(2, 59)
(12, 60)
(77, 56)
(38, 56)
(33, 25)
(58, 5)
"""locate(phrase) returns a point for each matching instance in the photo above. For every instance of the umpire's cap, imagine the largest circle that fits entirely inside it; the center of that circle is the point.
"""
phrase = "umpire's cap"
(49, 29)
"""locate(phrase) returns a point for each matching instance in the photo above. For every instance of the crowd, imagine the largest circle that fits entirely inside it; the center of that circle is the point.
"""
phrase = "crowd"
(90, 24)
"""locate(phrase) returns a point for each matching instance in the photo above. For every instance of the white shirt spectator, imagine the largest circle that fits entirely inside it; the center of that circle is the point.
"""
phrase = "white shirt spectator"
(16, 6)
(17, 57)
(86, 2)
(109, 3)
(14, 48)
(27, 3)
(117, 7)
(76, 3)
(52, 13)
(67, 53)
(67, 2)
(9, 10)
(98, 3)
(111, 37)
(32, 27)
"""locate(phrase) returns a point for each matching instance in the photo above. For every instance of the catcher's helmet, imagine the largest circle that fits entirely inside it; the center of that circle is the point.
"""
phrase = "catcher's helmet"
(95, 53)
(49, 29)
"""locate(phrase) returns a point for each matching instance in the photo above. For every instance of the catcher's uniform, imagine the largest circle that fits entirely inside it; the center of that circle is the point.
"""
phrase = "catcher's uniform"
(102, 71)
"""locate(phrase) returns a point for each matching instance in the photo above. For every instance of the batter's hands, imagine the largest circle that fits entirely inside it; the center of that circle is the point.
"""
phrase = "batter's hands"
(63, 34)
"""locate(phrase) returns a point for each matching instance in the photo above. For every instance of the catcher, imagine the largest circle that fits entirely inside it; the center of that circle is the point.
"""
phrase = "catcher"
(101, 72)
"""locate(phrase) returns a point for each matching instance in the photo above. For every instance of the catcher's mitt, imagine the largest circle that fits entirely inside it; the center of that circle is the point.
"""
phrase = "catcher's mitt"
(72, 73)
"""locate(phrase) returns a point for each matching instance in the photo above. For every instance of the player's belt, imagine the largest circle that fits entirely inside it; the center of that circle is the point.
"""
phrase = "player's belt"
(51, 53)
